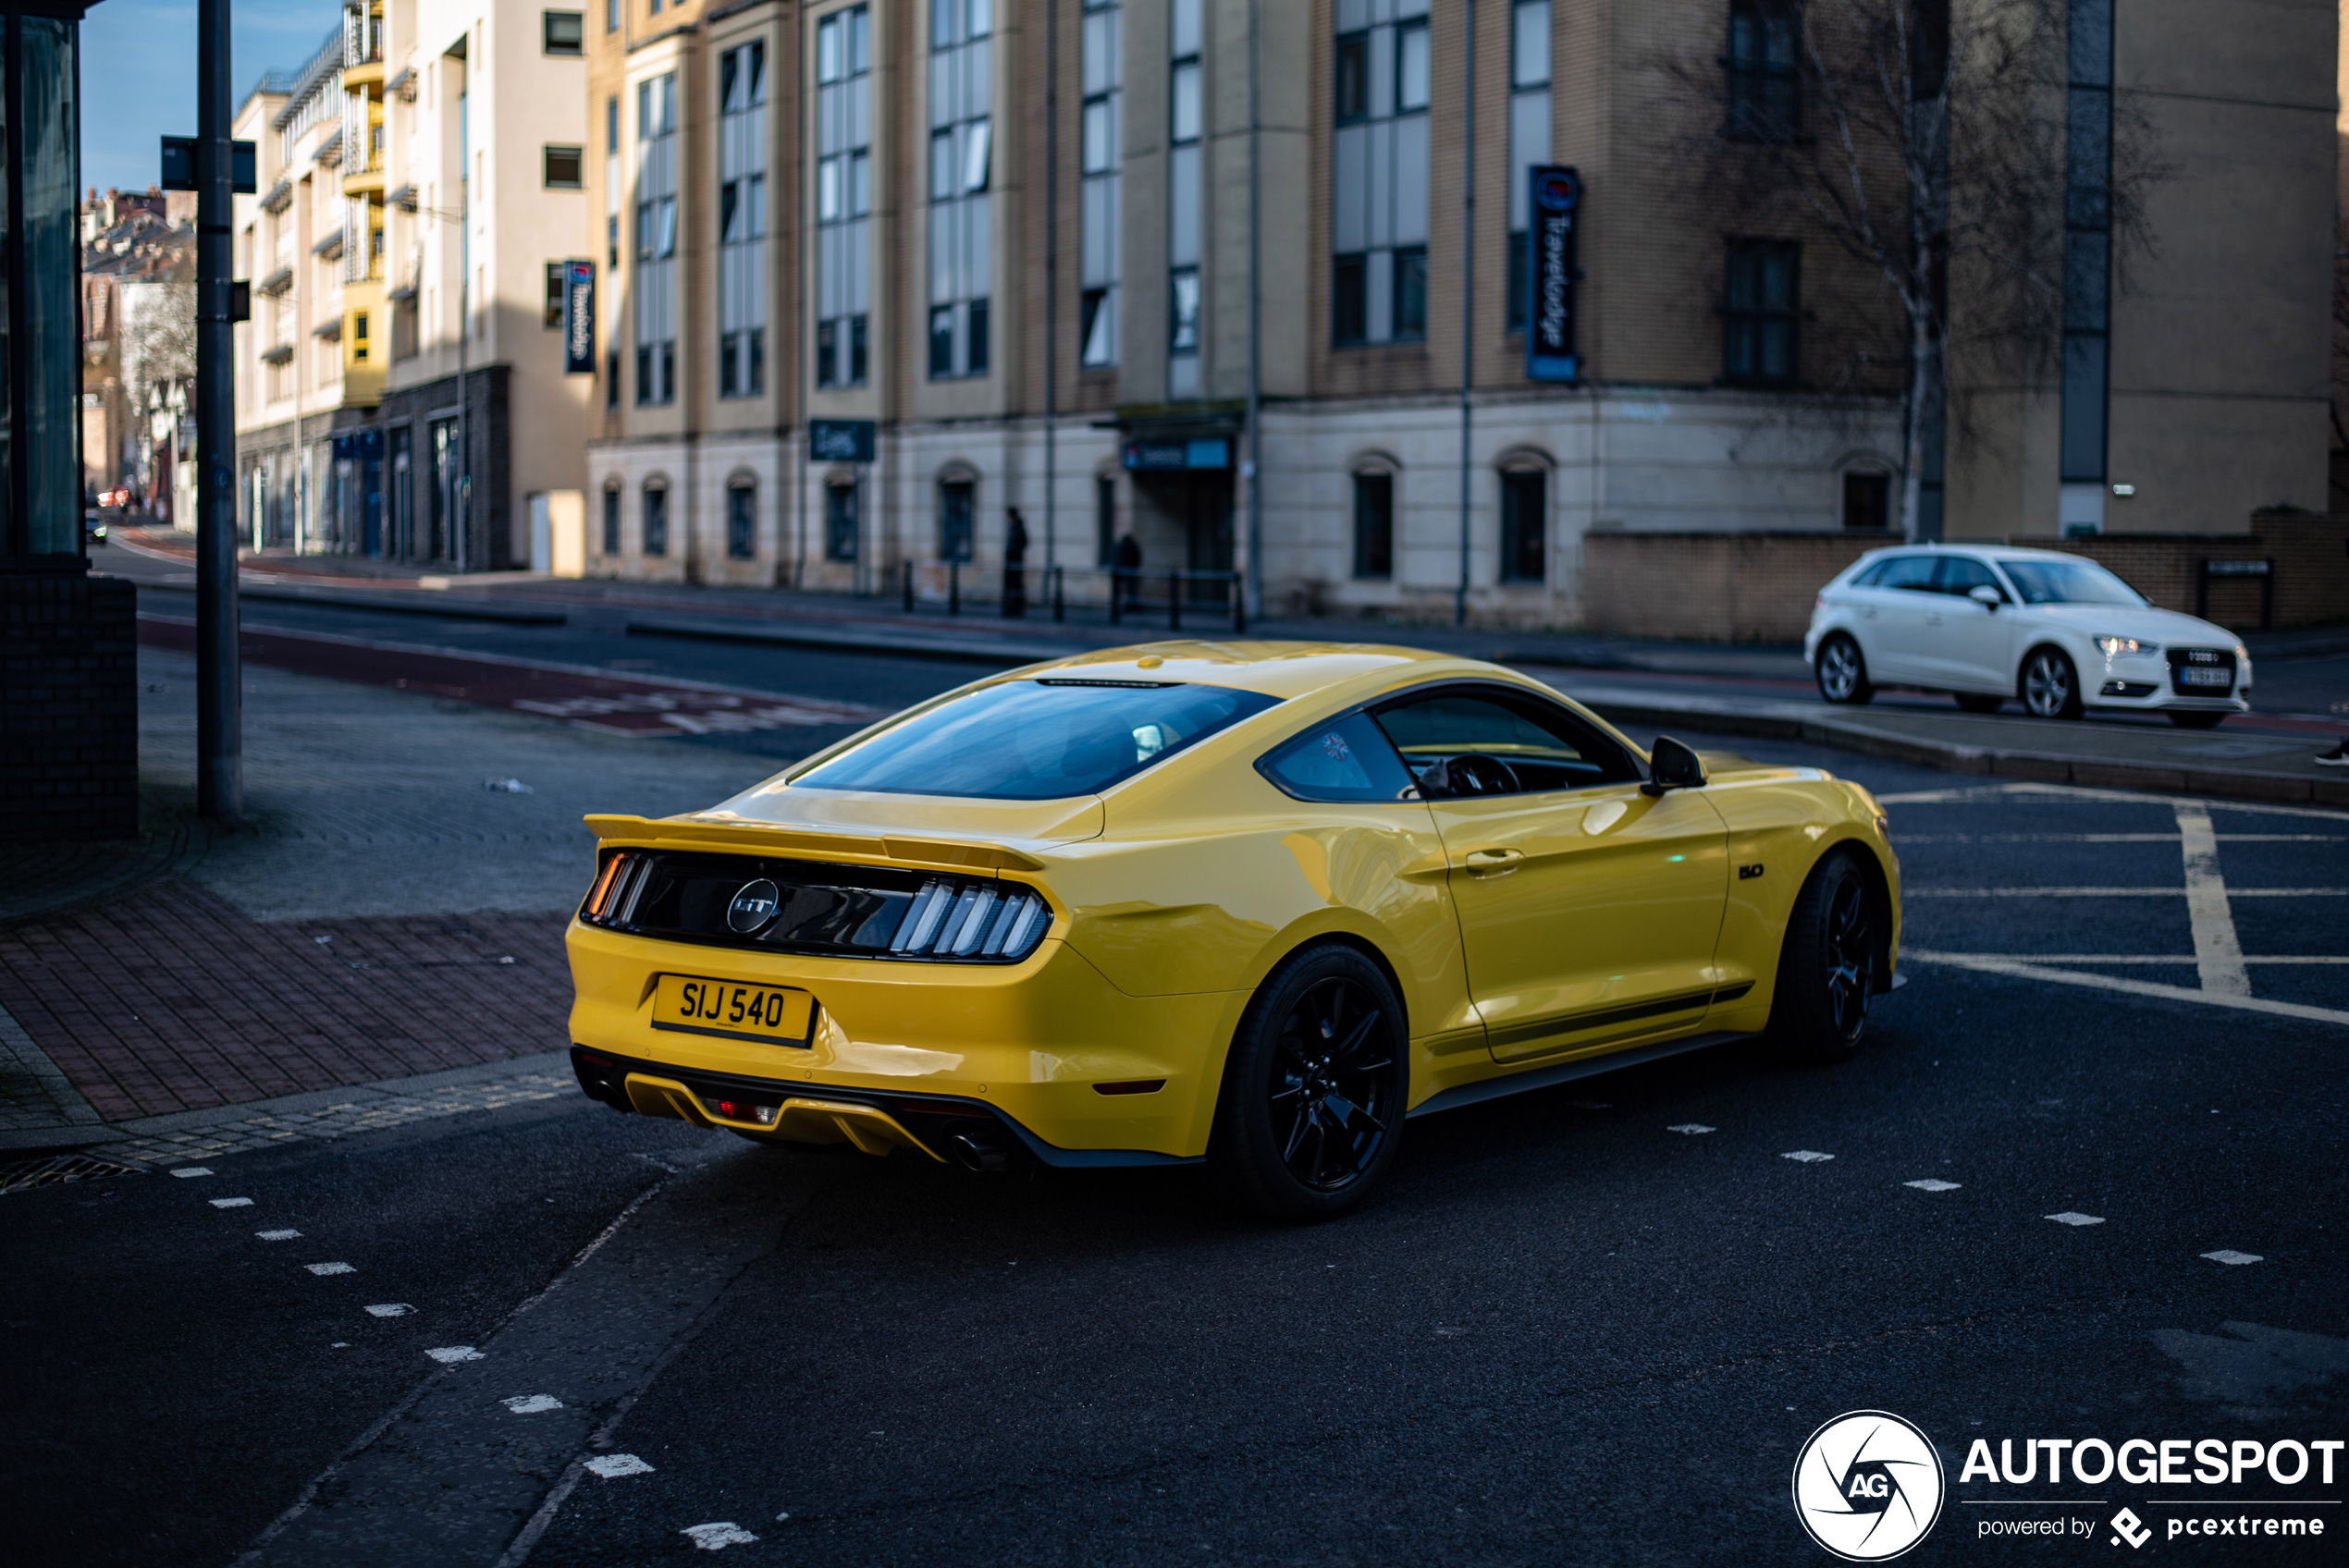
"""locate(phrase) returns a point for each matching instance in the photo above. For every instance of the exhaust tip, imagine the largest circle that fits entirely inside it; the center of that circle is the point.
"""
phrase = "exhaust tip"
(977, 1154)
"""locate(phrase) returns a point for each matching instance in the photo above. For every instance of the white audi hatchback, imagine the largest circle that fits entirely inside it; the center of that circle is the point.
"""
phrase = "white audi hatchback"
(2054, 632)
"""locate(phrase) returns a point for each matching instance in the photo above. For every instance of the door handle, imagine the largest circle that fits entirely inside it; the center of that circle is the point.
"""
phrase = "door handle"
(1493, 863)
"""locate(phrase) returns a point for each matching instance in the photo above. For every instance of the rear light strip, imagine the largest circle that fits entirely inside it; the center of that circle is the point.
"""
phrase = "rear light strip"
(616, 892)
(954, 919)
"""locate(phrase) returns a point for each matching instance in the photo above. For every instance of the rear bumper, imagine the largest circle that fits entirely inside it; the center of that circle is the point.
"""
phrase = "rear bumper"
(1047, 1047)
(948, 1128)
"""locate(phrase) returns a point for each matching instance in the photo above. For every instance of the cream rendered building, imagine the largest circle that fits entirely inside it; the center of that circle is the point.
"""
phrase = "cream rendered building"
(1095, 281)
(458, 199)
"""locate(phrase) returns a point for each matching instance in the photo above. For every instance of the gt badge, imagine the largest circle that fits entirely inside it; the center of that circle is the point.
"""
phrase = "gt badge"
(754, 906)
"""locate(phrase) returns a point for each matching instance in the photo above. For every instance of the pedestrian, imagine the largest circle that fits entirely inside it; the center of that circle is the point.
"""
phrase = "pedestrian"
(1125, 575)
(1014, 565)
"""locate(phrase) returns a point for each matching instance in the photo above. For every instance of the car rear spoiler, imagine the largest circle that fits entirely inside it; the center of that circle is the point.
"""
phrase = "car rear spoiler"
(779, 839)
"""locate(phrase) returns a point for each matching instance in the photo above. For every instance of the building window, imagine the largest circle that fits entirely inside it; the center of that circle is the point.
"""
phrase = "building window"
(1763, 89)
(359, 337)
(1760, 303)
(611, 378)
(742, 521)
(956, 531)
(840, 522)
(1103, 77)
(611, 519)
(1185, 115)
(656, 518)
(742, 221)
(843, 195)
(1524, 504)
(1374, 525)
(656, 286)
(563, 32)
(1104, 522)
(1529, 140)
(961, 160)
(1379, 177)
(554, 311)
(564, 166)
(1867, 500)
(611, 185)
(611, 16)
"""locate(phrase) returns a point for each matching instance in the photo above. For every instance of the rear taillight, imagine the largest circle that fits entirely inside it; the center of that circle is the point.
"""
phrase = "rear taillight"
(614, 899)
(952, 918)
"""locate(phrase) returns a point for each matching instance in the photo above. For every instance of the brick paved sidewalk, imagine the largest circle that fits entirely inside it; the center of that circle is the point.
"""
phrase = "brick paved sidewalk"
(380, 916)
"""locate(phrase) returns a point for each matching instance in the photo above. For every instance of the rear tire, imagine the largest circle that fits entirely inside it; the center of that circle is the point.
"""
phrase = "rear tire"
(1973, 703)
(1827, 965)
(1842, 671)
(2188, 719)
(1311, 1108)
(2049, 686)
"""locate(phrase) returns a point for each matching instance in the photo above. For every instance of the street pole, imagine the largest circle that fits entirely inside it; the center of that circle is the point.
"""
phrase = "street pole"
(1251, 591)
(1468, 290)
(1051, 274)
(220, 780)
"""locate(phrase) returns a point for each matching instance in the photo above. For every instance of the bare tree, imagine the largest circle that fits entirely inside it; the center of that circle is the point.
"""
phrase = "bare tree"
(1926, 140)
(159, 336)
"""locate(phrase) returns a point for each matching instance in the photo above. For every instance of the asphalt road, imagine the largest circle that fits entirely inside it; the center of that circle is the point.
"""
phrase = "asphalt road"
(1593, 1324)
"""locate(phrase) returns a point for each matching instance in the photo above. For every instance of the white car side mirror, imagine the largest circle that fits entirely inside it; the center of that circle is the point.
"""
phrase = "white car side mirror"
(1983, 594)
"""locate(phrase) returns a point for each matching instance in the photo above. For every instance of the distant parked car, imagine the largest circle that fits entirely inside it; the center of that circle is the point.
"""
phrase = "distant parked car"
(2056, 632)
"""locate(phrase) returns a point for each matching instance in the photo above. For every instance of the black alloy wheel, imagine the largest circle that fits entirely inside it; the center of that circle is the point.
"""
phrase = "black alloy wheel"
(1842, 672)
(1313, 1102)
(1828, 964)
(2049, 687)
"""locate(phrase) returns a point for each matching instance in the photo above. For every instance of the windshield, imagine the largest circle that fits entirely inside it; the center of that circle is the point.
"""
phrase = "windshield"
(2069, 582)
(1040, 739)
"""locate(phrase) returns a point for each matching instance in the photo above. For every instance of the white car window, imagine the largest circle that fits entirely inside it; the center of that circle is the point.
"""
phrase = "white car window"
(2069, 582)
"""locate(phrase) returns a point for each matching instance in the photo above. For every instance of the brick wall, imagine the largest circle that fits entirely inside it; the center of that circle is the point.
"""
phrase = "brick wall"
(1714, 587)
(68, 708)
(2310, 553)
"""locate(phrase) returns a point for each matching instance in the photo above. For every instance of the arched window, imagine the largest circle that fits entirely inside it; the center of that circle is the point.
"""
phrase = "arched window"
(1374, 522)
(611, 517)
(957, 516)
(741, 518)
(1525, 510)
(656, 517)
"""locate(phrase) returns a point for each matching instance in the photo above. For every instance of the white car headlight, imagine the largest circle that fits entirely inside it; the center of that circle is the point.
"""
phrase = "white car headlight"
(2113, 646)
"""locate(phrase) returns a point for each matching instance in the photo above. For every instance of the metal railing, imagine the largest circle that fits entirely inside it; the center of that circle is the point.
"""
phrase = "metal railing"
(1115, 593)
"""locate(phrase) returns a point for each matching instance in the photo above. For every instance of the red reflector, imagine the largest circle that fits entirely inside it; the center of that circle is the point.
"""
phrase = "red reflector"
(1131, 1086)
(727, 1108)
(598, 1060)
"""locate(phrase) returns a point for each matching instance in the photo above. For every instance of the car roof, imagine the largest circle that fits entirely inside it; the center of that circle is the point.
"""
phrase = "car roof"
(1970, 548)
(1282, 669)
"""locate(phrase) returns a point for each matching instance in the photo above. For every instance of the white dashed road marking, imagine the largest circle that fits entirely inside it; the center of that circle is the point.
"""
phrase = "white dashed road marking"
(330, 1269)
(611, 1466)
(232, 1203)
(277, 1235)
(2132, 987)
(1934, 1184)
(193, 1171)
(1806, 1155)
(714, 1538)
(2069, 1216)
(530, 1405)
(390, 1309)
(1692, 1128)
(454, 1352)
(2217, 956)
(2228, 1255)
(2115, 892)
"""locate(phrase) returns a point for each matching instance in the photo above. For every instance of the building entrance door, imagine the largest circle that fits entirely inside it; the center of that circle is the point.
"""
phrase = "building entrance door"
(1207, 524)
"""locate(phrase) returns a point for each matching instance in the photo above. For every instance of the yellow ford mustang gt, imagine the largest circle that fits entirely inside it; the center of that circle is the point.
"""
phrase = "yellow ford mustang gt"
(1250, 904)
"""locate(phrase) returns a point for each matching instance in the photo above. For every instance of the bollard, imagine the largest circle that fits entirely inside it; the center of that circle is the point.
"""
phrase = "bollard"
(909, 587)
(1239, 608)
(1174, 601)
(953, 587)
(1059, 585)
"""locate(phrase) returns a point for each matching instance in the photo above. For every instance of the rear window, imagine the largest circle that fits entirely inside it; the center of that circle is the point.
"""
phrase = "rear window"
(1040, 739)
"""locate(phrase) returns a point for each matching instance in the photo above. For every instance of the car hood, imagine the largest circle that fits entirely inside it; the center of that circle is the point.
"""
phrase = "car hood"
(2167, 628)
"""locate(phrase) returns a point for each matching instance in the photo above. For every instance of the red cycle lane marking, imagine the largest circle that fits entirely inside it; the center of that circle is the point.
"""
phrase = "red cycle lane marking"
(616, 704)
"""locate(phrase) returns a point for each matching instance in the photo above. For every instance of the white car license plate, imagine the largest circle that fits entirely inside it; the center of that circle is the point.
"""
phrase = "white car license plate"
(2190, 675)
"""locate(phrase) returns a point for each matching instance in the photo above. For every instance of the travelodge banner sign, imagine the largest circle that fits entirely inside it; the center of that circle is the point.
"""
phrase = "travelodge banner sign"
(1557, 197)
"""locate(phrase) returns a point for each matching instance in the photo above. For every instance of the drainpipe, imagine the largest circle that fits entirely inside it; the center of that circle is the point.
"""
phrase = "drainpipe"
(1253, 589)
(1052, 272)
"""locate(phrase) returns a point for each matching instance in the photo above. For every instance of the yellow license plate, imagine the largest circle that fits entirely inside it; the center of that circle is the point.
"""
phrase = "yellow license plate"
(776, 1015)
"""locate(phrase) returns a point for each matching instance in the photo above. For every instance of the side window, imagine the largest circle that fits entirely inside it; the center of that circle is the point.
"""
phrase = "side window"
(1962, 574)
(1912, 572)
(1345, 761)
(1871, 577)
(1539, 745)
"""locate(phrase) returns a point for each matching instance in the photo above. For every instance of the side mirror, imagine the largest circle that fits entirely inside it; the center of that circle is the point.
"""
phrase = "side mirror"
(1984, 594)
(1672, 765)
